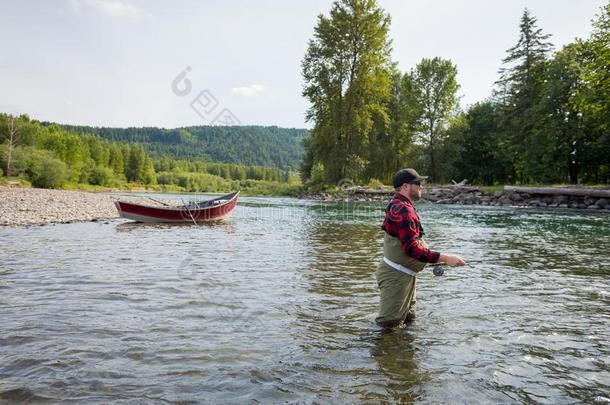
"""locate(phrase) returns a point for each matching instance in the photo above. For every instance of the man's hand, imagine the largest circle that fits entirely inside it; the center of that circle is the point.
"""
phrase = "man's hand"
(451, 260)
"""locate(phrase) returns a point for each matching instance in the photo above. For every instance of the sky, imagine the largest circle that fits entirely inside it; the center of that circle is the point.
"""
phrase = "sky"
(134, 63)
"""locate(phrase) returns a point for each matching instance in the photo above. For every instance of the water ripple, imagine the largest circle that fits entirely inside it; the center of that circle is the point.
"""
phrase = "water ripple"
(278, 305)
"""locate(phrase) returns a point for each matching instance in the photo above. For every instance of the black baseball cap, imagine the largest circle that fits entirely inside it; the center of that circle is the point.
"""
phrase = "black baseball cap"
(407, 176)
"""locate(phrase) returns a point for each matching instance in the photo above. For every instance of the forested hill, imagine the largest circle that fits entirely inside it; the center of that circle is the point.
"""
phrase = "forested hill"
(248, 145)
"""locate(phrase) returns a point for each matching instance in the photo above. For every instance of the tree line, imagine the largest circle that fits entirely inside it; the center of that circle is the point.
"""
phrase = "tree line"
(272, 146)
(50, 156)
(547, 120)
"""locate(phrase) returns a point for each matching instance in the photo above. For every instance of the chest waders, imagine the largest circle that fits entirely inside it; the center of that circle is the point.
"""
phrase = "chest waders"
(396, 277)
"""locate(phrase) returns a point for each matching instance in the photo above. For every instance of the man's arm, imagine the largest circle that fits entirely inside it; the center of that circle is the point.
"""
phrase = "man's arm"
(407, 224)
(451, 260)
(408, 233)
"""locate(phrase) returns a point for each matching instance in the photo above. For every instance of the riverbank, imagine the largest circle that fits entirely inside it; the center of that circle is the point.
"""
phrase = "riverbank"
(35, 206)
(548, 197)
(38, 206)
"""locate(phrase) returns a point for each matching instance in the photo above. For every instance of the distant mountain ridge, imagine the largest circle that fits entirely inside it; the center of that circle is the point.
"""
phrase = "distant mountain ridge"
(249, 145)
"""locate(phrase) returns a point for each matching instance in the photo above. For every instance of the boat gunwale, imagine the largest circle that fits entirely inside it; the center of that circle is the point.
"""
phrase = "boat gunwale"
(233, 195)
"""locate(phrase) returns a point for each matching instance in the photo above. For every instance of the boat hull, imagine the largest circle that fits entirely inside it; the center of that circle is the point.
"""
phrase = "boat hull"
(211, 210)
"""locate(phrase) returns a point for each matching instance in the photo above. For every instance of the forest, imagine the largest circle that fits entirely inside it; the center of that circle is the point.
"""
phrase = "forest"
(546, 120)
(247, 145)
(51, 156)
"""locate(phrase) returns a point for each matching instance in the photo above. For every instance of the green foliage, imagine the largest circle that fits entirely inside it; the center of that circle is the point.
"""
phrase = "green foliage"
(194, 181)
(481, 152)
(246, 145)
(374, 183)
(435, 88)
(42, 168)
(391, 141)
(521, 84)
(560, 138)
(592, 100)
(317, 174)
(55, 157)
(102, 176)
(347, 81)
(548, 121)
(257, 187)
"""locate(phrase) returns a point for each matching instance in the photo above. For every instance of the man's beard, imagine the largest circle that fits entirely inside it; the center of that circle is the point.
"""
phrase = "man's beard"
(414, 195)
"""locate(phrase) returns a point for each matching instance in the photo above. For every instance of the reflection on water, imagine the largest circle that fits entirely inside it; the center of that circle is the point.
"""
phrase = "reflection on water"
(277, 304)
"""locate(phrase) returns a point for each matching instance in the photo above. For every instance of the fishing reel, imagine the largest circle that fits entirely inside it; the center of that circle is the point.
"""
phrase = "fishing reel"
(438, 269)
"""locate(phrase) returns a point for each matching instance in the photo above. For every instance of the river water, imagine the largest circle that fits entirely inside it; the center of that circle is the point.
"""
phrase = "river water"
(278, 305)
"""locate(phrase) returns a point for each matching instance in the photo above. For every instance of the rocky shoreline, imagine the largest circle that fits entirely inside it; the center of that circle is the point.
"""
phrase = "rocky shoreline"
(592, 199)
(36, 206)
(32, 206)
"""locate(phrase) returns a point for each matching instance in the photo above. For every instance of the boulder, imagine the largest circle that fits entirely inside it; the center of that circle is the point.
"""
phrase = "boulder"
(516, 197)
(602, 202)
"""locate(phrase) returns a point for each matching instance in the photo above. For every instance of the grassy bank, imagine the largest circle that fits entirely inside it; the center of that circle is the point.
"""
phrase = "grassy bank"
(247, 187)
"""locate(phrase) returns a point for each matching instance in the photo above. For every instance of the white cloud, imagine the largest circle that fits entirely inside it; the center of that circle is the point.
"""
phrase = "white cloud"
(112, 8)
(248, 91)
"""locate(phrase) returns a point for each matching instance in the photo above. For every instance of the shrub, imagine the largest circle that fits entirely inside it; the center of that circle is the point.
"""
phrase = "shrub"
(101, 176)
(43, 169)
(374, 183)
(317, 174)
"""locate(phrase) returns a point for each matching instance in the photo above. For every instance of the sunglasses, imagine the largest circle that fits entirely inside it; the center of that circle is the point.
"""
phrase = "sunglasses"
(417, 183)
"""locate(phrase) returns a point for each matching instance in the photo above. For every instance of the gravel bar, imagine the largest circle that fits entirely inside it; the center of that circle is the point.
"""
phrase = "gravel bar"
(36, 206)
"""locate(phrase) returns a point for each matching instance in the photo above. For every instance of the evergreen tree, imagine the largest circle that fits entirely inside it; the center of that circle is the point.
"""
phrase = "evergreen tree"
(521, 81)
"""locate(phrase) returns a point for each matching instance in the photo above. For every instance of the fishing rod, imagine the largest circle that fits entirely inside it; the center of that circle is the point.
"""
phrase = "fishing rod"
(438, 268)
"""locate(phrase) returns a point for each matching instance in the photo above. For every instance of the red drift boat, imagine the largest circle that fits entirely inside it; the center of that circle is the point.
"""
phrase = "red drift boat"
(195, 212)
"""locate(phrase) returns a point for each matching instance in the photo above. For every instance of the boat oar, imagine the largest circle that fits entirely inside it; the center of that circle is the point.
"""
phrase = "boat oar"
(189, 211)
(158, 201)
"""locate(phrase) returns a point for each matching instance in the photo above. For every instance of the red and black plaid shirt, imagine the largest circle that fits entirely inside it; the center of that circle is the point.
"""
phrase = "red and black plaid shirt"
(402, 222)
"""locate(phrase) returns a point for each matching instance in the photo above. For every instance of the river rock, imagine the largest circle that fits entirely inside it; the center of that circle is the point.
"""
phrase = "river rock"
(514, 197)
(33, 206)
(602, 202)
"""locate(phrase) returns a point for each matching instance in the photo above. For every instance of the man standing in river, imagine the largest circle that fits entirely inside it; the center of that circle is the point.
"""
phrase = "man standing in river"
(404, 252)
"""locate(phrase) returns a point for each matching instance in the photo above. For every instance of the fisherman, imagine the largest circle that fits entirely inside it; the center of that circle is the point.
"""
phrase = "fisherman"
(404, 252)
